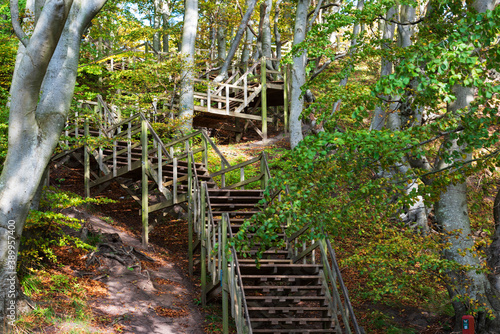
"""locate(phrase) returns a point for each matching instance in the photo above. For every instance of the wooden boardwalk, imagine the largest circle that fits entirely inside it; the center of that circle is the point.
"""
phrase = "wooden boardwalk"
(297, 288)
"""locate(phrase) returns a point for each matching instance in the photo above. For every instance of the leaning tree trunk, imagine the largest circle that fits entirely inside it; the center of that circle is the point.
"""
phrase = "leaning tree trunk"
(42, 88)
(186, 100)
(247, 48)
(237, 39)
(298, 75)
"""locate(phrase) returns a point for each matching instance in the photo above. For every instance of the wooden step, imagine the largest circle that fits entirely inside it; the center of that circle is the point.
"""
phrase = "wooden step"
(293, 331)
(278, 269)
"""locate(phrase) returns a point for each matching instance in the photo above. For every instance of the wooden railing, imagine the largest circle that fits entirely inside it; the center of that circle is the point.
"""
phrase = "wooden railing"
(217, 258)
(303, 249)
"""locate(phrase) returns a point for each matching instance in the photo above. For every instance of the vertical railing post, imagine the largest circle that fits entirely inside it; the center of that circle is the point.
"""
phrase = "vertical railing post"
(242, 176)
(263, 97)
(160, 168)
(223, 176)
(144, 183)
(263, 170)
(209, 103)
(86, 159)
(205, 149)
(227, 99)
(190, 213)
(129, 146)
(245, 90)
(203, 245)
(285, 97)
(174, 163)
(225, 273)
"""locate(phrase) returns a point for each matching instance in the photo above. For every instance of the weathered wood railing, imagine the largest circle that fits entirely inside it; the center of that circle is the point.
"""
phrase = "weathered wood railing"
(303, 249)
(214, 259)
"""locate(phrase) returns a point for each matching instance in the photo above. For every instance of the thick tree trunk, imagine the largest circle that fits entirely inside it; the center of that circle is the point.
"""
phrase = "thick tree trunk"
(186, 100)
(156, 25)
(298, 75)
(42, 89)
(465, 287)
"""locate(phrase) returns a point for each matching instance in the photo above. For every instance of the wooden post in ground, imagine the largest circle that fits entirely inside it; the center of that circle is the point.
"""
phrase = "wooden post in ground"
(265, 178)
(203, 246)
(144, 183)
(190, 213)
(285, 98)
(263, 97)
(86, 160)
(225, 273)
(205, 149)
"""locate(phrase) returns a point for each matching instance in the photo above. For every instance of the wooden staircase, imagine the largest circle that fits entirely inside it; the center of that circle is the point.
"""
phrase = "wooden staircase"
(296, 288)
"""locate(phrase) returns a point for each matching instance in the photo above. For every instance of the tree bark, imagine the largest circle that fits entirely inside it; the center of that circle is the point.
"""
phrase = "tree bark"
(298, 74)
(266, 33)
(221, 32)
(42, 88)
(245, 55)
(237, 39)
(388, 28)
(186, 100)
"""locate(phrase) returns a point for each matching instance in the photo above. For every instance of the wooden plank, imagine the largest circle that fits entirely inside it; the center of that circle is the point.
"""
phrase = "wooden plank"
(216, 111)
(167, 203)
(275, 86)
(263, 97)
(216, 149)
(124, 170)
(144, 184)
(229, 169)
(305, 252)
(240, 184)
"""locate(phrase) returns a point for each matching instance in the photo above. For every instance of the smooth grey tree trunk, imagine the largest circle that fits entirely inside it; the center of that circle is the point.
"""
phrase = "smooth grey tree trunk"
(42, 89)
(236, 42)
(157, 24)
(452, 215)
(298, 74)
(186, 100)
(245, 55)
(266, 33)
(355, 32)
(380, 114)
(221, 31)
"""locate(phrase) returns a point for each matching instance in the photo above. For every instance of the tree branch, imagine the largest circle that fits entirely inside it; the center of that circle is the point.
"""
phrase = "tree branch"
(399, 23)
(18, 30)
(324, 7)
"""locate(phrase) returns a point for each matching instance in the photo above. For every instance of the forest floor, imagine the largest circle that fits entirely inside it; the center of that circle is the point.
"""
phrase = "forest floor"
(159, 296)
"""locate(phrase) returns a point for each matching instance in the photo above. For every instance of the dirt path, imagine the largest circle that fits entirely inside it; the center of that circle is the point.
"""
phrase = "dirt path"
(153, 298)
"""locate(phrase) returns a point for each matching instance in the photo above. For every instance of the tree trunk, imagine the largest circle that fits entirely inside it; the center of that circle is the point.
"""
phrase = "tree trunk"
(266, 33)
(388, 28)
(157, 24)
(186, 100)
(298, 75)
(355, 32)
(42, 88)
(237, 39)
(221, 32)
(245, 55)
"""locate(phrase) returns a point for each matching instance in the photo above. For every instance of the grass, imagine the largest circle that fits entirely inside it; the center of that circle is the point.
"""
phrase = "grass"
(61, 301)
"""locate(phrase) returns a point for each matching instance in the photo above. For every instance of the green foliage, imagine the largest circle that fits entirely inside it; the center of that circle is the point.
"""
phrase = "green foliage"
(47, 228)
